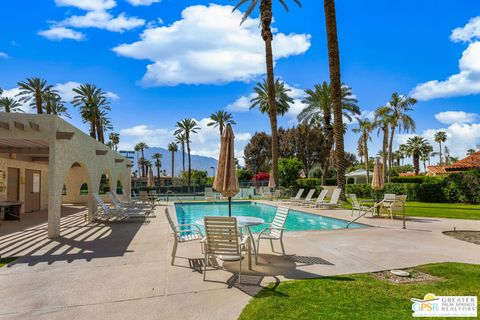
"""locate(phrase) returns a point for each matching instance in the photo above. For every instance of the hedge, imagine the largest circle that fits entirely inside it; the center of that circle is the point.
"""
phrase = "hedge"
(460, 187)
(309, 183)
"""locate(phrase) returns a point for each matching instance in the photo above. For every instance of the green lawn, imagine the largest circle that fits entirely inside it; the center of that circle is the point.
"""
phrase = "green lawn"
(359, 296)
(5, 261)
(441, 210)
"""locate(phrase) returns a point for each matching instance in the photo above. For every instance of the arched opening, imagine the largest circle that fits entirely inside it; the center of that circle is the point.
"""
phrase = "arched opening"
(104, 184)
(64, 190)
(83, 189)
(119, 187)
(76, 185)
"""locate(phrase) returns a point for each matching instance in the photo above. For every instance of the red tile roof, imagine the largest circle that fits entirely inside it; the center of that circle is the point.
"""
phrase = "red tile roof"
(470, 162)
(436, 169)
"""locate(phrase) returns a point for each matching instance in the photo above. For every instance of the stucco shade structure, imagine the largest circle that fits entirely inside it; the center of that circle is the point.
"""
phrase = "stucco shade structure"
(360, 173)
(70, 157)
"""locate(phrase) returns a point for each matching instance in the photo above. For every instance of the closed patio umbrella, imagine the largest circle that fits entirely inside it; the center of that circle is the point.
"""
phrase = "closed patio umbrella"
(226, 180)
(150, 179)
(377, 179)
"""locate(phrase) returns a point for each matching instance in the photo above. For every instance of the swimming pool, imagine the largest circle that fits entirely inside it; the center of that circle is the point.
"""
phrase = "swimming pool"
(297, 221)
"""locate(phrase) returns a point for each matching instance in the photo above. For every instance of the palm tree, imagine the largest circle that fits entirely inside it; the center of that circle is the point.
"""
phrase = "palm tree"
(319, 110)
(365, 127)
(266, 17)
(382, 121)
(440, 136)
(220, 119)
(425, 156)
(115, 139)
(416, 147)
(470, 152)
(261, 99)
(172, 147)
(148, 167)
(141, 146)
(180, 139)
(187, 126)
(10, 105)
(33, 89)
(158, 163)
(399, 106)
(141, 165)
(53, 104)
(335, 81)
(93, 105)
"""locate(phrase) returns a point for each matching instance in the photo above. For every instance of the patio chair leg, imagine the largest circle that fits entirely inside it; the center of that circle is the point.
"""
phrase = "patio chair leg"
(283, 248)
(240, 270)
(205, 266)
(174, 250)
(271, 244)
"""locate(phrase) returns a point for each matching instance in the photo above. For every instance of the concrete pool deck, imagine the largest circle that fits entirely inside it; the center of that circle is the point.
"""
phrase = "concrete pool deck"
(123, 271)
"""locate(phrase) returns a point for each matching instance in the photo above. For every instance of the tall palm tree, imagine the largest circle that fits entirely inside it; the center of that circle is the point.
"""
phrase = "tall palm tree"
(33, 89)
(399, 106)
(141, 146)
(416, 147)
(53, 104)
(141, 165)
(335, 81)
(172, 147)
(115, 138)
(266, 17)
(10, 105)
(365, 127)
(158, 163)
(180, 139)
(319, 110)
(261, 99)
(148, 166)
(440, 136)
(425, 156)
(382, 121)
(187, 127)
(220, 119)
(93, 105)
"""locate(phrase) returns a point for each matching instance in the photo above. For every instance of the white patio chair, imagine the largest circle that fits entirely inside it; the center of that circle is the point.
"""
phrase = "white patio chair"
(308, 198)
(275, 230)
(183, 233)
(109, 213)
(296, 198)
(394, 204)
(320, 199)
(222, 238)
(333, 200)
(357, 205)
(127, 204)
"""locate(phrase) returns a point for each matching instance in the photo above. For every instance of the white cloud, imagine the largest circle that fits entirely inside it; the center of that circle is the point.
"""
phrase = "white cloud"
(205, 143)
(242, 104)
(208, 46)
(89, 5)
(450, 117)
(60, 33)
(3, 55)
(142, 2)
(467, 81)
(468, 32)
(104, 20)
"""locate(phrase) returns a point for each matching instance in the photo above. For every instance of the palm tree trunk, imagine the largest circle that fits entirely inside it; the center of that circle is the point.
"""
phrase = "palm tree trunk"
(38, 103)
(328, 131)
(266, 18)
(189, 165)
(334, 67)
(93, 129)
(144, 171)
(365, 155)
(100, 133)
(390, 152)
(416, 164)
(173, 163)
(183, 156)
(440, 152)
(384, 152)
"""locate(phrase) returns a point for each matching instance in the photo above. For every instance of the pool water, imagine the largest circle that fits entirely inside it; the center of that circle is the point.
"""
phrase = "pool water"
(188, 213)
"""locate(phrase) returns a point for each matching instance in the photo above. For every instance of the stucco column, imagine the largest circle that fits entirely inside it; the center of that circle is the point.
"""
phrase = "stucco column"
(55, 184)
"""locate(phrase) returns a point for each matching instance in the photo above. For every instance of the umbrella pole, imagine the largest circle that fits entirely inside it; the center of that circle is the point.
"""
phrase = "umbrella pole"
(229, 206)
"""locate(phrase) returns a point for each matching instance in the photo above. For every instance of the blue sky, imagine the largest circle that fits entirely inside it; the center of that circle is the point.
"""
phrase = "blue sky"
(165, 60)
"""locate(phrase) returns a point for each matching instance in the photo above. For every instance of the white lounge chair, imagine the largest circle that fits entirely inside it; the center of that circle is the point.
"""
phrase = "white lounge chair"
(128, 205)
(333, 200)
(296, 198)
(209, 194)
(275, 230)
(393, 203)
(357, 205)
(308, 198)
(222, 238)
(183, 233)
(108, 213)
(320, 199)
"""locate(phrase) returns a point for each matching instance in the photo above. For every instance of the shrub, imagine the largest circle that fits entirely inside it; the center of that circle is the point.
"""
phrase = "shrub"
(244, 175)
(414, 179)
(463, 187)
(331, 181)
(309, 183)
(288, 171)
(261, 176)
(315, 172)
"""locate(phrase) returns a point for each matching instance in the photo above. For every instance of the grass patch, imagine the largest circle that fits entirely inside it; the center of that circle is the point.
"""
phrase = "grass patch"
(359, 296)
(5, 261)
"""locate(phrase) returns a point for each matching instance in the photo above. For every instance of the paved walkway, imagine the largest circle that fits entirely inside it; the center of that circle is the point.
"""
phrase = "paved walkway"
(123, 271)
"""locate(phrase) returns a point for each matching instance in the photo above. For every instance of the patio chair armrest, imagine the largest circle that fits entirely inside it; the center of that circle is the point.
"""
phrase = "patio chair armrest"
(245, 241)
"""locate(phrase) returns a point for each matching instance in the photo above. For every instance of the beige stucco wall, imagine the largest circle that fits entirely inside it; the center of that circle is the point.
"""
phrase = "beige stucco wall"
(23, 165)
